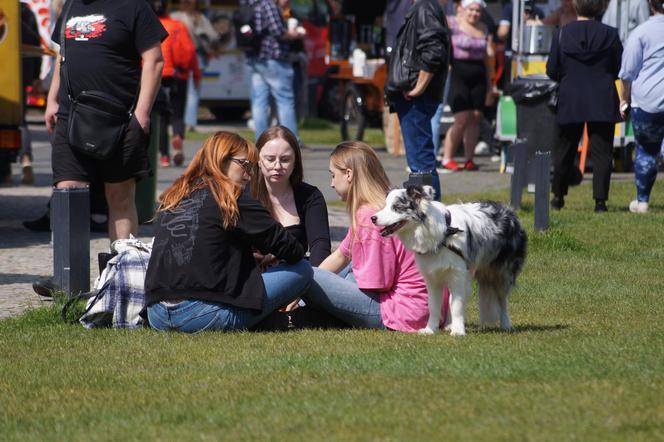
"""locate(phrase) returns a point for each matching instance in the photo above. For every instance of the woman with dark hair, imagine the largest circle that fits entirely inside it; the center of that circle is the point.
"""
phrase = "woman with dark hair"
(279, 186)
(202, 274)
(642, 81)
(585, 60)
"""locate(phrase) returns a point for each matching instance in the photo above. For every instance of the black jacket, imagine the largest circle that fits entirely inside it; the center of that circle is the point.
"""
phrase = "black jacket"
(423, 43)
(194, 257)
(586, 63)
(313, 231)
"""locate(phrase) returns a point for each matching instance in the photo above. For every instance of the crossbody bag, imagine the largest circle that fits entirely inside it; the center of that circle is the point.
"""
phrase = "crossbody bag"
(97, 120)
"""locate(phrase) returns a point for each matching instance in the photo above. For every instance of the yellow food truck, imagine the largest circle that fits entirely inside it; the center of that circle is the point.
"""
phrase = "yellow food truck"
(11, 96)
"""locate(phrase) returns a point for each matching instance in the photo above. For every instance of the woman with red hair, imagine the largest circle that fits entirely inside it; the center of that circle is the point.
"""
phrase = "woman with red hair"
(202, 273)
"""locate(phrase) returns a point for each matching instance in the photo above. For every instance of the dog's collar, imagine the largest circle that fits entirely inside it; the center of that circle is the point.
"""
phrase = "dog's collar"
(450, 231)
(449, 247)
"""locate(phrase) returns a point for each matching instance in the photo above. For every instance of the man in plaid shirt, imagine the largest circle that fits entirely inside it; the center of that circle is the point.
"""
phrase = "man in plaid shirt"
(270, 68)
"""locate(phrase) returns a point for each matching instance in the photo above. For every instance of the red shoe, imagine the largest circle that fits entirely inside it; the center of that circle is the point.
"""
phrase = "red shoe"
(449, 167)
(470, 165)
(164, 161)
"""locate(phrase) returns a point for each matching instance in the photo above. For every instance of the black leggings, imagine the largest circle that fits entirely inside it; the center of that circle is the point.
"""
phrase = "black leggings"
(177, 95)
(601, 152)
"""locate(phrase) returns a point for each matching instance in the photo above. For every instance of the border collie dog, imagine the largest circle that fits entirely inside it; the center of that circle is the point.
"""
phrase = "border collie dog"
(453, 244)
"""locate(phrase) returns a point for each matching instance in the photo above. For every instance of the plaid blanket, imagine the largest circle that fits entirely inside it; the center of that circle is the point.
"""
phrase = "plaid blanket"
(119, 294)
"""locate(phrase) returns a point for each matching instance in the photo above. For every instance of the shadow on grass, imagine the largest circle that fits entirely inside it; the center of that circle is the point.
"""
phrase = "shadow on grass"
(523, 328)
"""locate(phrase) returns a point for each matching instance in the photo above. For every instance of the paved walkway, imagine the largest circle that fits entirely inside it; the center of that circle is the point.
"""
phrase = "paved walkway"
(27, 256)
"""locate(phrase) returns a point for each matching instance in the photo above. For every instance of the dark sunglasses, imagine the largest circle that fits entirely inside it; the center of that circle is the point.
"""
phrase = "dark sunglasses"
(247, 165)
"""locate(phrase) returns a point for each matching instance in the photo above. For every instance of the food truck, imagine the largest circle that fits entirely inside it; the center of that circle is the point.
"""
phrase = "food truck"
(11, 96)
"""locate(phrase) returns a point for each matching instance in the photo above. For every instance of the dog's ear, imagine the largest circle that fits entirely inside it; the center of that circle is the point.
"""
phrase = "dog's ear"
(414, 191)
(429, 193)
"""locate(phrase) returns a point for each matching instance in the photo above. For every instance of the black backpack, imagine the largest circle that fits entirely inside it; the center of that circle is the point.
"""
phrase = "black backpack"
(246, 36)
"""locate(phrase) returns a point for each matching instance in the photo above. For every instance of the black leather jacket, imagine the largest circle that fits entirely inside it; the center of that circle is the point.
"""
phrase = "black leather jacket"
(423, 43)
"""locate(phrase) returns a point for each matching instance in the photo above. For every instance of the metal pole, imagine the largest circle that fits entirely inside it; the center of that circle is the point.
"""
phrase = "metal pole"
(520, 158)
(542, 161)
(70, 223)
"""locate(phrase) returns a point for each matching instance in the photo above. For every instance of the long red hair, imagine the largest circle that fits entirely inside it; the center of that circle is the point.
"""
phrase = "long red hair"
(207, 170)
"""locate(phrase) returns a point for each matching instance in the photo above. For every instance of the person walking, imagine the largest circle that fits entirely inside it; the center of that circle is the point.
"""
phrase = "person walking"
(112, 46)
(470, 83)
(642, 88)
(180, 61)
(30, 70)
(204, 36)
(270, 68)
(585, 60)
(416, 80)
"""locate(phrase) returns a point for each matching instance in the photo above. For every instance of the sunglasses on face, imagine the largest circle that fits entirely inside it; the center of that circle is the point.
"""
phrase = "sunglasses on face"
(247, 165)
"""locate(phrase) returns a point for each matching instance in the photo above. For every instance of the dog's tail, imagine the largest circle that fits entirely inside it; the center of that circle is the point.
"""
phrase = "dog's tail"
(515, 243)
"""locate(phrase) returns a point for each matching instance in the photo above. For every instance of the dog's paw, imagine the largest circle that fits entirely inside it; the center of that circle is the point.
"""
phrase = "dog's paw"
(457, 331)
(427, 331)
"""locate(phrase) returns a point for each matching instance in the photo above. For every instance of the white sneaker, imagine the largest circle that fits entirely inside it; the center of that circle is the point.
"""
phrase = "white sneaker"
(482, 148)
(638, 207)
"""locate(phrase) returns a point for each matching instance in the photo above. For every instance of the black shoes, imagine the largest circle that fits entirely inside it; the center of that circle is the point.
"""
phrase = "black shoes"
(557, 203)
(600, 206)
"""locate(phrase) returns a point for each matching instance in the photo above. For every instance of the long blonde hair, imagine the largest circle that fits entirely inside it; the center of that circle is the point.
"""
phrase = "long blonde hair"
(369, 185)
(206, 170)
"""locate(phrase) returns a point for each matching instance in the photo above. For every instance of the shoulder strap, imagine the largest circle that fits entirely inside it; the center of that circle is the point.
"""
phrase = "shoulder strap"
(63, 59)
(63, 40)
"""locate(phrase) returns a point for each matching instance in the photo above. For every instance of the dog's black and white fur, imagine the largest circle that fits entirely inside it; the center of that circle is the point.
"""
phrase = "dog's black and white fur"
(455, 243)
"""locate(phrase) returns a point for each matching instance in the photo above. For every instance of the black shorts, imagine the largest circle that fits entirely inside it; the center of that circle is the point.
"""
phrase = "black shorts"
(467, 85)
(130, 161)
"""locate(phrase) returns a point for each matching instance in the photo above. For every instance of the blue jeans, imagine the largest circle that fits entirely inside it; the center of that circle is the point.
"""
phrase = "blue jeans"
(649, 134)
(193, 97)
(415, 119)
(340, 297)
(435, 120)
(283, 283)
(272, 77)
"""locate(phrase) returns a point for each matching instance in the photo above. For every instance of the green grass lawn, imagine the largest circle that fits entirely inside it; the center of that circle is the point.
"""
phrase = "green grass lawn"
(313, 131)
(586, 361)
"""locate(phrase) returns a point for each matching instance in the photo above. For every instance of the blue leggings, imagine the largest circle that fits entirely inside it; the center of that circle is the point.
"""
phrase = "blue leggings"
(649, 134)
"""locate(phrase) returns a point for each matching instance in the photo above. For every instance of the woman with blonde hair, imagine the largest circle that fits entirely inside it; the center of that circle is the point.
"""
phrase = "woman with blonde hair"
(202, 274)
(370, 281)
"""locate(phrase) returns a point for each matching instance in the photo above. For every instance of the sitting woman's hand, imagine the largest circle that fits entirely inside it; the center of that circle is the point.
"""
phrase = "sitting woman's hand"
(264, 262)
(292, 306)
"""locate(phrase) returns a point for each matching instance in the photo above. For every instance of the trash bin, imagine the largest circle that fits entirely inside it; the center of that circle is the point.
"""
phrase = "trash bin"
(146, 189)
(535, 117)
